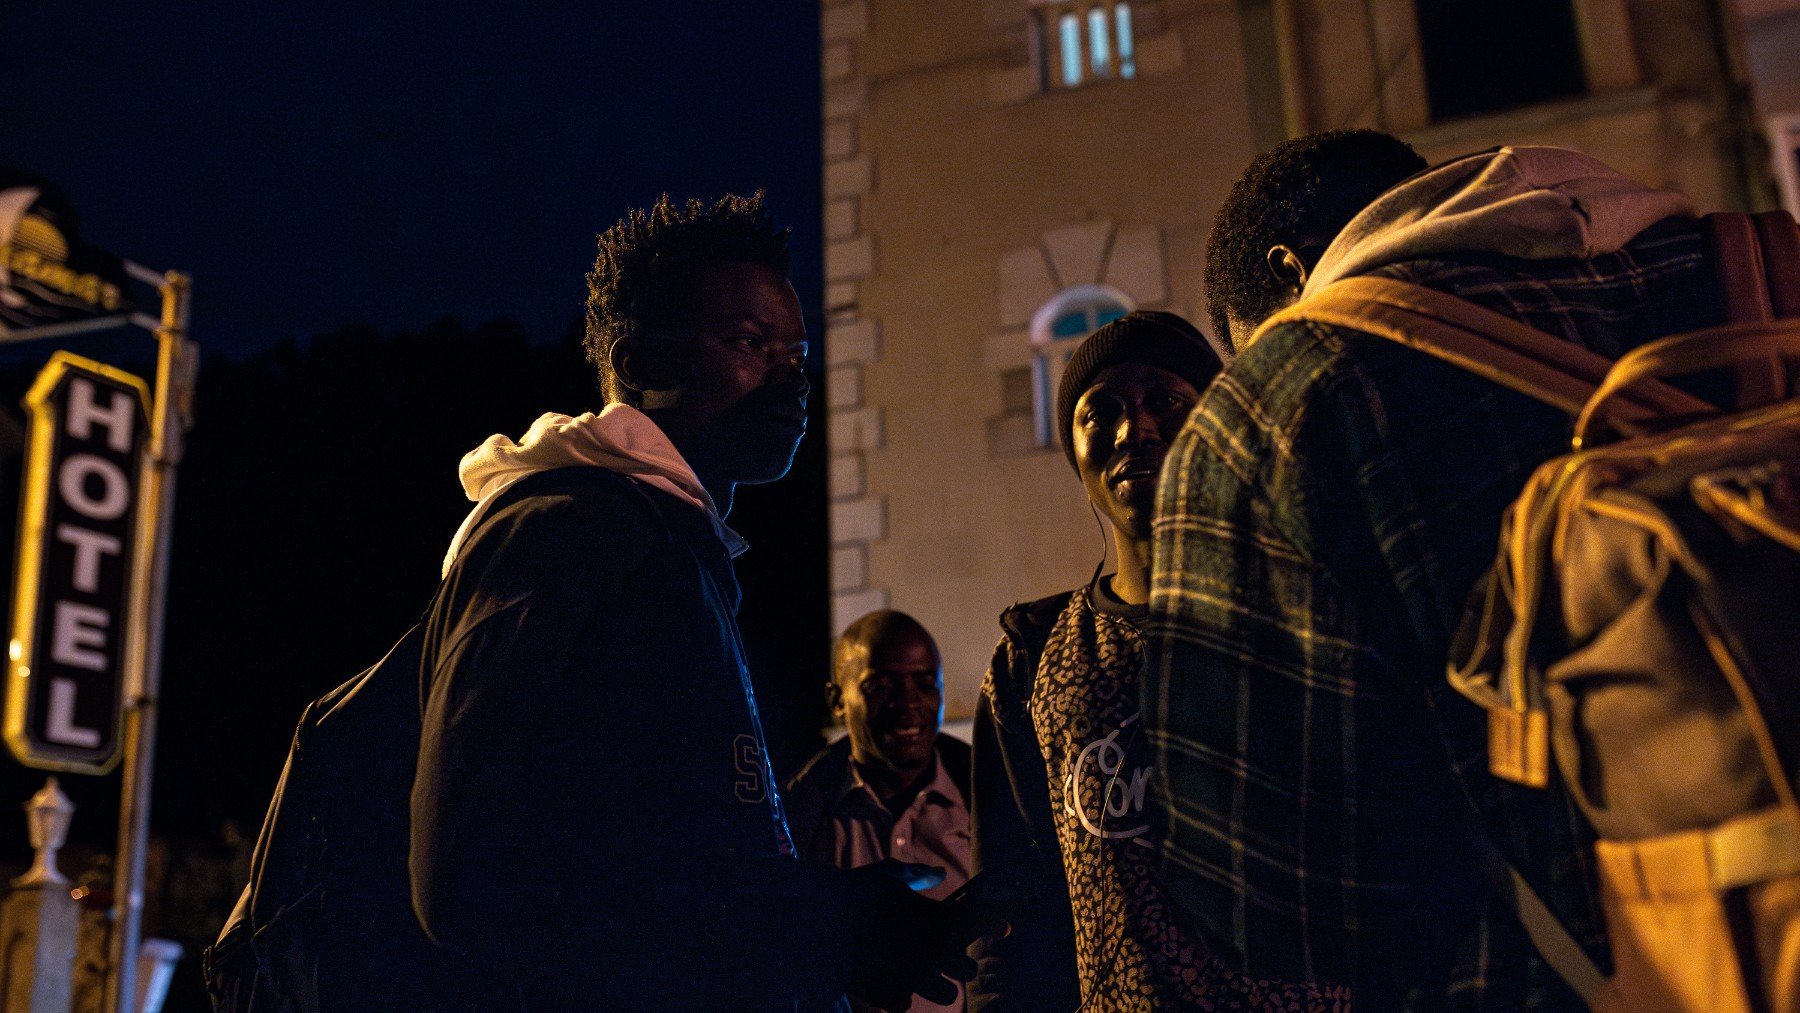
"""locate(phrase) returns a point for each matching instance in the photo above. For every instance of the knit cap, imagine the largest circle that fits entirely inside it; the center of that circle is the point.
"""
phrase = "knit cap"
(1149, 337)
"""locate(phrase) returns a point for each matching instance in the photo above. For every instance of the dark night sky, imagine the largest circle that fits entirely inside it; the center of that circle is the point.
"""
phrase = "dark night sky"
(329, 163)
(335, 163)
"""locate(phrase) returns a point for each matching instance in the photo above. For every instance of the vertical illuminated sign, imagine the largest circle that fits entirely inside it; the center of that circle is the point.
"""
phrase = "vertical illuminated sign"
(78, 530)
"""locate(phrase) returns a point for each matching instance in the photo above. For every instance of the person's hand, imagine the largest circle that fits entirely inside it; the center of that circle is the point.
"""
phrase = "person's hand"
(903, 944)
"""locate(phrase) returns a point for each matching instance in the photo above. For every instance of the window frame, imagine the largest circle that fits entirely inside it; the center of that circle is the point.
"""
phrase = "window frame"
(1304, 83)
(1784, 149)
(1085, 42)
(1050, 352)
(1436, 90)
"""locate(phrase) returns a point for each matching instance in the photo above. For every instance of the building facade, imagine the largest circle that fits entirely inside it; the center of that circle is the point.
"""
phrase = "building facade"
(1772, 50)
(1002, 176)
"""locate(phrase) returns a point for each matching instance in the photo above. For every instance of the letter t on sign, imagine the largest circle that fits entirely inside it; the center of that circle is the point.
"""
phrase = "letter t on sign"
(89, 547)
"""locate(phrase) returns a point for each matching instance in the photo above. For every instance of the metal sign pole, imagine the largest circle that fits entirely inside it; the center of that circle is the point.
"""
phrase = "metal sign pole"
(174, 387)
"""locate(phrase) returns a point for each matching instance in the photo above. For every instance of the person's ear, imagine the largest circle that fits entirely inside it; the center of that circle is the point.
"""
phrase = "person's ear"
(834, 699)
(648, 362)
(1286, 264)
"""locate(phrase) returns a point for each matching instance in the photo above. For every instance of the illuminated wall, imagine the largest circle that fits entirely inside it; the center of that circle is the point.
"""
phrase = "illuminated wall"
(1002, 174)
(1772, 50)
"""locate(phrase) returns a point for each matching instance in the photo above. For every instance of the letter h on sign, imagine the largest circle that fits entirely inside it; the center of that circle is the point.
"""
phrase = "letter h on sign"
(78, 528)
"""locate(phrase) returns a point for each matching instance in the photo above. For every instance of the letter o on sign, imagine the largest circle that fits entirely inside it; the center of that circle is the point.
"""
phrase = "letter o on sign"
(72, 482)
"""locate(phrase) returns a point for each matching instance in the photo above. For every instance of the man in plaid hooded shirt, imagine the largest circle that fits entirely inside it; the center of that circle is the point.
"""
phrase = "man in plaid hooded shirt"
(1320, 522)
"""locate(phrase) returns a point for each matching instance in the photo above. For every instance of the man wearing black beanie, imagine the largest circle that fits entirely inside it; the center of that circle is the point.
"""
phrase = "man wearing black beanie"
(1060, 769)
(1148, 338)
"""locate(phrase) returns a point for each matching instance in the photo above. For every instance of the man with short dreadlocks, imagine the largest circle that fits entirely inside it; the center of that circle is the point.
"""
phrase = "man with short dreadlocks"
(594, 817)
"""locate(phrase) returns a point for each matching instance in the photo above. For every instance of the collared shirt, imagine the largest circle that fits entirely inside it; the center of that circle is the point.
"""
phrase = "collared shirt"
(1320, 523)
(858, 829)
(933, 829)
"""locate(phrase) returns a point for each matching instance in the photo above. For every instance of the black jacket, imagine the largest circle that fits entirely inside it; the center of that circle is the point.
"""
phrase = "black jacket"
(1032, 968)
(592, 811)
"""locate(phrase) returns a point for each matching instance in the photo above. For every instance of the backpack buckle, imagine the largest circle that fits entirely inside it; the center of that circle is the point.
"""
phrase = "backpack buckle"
(1519, 746)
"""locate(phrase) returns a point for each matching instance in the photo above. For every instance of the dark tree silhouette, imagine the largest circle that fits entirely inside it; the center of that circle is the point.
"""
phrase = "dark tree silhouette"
(314, 505)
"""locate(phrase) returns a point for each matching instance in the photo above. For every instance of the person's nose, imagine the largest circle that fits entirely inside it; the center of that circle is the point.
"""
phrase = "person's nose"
(787, 365)
(1137, 428)
(786, 373)
(918, 696)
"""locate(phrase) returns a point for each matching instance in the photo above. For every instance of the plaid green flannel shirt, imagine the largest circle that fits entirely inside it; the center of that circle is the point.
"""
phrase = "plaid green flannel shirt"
(1321, 521)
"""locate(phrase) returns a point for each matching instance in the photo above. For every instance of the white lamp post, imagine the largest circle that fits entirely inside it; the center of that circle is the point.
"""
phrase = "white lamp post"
(47, 815)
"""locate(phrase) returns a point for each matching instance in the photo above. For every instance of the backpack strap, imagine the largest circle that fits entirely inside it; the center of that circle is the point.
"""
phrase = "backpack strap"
(1779, 235)
(1498, 348)
(1547, 932)
(1756, 260)
(1734, 345)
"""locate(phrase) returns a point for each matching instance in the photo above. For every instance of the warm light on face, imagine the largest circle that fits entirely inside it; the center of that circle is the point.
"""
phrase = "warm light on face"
(893, 707)
(1123, 426)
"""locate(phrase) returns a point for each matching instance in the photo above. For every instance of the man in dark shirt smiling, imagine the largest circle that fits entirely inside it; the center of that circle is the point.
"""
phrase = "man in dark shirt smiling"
(892, 787)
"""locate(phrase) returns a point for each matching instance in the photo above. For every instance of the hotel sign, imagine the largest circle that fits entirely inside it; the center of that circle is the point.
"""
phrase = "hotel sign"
(77, 550)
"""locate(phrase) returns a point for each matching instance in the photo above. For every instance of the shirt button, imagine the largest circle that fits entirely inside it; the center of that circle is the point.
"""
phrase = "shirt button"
(899, 840)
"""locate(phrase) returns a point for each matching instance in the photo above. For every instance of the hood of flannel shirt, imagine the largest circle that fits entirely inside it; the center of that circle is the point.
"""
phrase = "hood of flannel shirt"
(1535, 203)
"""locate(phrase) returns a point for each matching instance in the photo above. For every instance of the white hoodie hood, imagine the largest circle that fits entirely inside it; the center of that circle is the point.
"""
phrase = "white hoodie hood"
(1534, 203)
(620, 439)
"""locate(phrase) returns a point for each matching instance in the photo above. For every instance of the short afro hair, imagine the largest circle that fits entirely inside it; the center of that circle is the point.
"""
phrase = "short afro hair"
(1302, 193)
(864, 636)
(642, 279)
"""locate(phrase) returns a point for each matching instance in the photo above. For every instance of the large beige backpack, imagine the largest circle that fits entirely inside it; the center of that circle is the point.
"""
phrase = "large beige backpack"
(1639, 634)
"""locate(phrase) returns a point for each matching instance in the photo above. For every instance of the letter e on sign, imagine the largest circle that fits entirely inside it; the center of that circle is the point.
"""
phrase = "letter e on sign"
(78, 533)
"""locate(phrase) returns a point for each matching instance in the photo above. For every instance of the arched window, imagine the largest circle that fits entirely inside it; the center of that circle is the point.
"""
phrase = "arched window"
(1056, 329)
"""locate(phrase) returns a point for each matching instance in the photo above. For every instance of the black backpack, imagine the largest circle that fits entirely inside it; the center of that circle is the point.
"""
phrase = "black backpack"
(328, 910)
